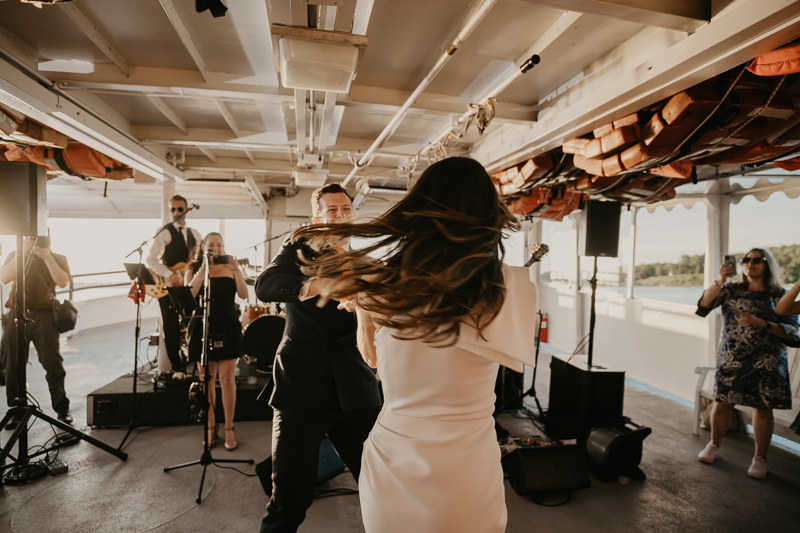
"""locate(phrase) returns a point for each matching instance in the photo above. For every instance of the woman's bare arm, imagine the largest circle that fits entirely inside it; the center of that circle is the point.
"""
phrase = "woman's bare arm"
(366, 337)
(788, 304)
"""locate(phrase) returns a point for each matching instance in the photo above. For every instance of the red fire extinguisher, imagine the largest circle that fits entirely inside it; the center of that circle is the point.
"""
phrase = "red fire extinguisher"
(543, 329)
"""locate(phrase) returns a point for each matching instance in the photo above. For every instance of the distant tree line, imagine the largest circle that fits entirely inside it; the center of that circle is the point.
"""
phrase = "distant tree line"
(788, 257)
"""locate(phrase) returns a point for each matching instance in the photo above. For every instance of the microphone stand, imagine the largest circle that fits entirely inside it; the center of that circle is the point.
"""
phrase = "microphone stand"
(206, 458)
(265, 241)
(134, 423)
(18, 471)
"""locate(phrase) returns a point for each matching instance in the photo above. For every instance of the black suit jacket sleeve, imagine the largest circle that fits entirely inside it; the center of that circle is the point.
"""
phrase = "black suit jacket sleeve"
(282, 280)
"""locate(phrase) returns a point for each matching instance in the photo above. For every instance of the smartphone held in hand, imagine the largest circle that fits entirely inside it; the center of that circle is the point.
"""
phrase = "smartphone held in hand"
(730, 262)
(220, 259)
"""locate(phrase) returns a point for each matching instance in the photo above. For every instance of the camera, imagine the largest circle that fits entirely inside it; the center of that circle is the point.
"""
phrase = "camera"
(43, 242)
(220, 259)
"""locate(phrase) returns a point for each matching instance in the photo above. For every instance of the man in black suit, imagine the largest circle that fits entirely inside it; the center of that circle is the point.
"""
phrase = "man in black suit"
(322, 384)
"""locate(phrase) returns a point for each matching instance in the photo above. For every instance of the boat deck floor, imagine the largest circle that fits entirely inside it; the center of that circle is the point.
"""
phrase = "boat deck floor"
(100, 493)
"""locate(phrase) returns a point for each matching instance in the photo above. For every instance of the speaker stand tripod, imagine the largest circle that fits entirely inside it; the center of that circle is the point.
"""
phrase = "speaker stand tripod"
(206, 457)
(532, 391)
(23, 411)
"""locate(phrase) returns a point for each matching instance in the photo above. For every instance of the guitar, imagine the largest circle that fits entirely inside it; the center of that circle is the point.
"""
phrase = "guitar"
(537, 253)
(159, 288)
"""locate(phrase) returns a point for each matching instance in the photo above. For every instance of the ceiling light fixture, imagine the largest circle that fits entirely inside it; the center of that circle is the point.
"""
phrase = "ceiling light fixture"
(318, 60)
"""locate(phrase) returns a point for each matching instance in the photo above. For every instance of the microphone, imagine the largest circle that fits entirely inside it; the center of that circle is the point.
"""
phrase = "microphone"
(537, 253)
(194, 206)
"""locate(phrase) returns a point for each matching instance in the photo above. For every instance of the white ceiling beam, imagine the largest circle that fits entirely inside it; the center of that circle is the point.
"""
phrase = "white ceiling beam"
(19, 92)
(300, 119)
(15, 47)
(226, 114)
(102, 109)
(208, 153)
(658, 63)
(242, 167)
(681, 15)
(219, 139)
(385, 100)
(174, 82)
(556, 30)
(252, 187)
(168, 112)
(326, 123)
(249, 155)
(96, 36)
(166, 83)
(185, 37)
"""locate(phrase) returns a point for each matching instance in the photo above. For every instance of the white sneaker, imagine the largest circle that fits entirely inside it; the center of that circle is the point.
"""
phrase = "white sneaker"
(709, 453)
(758, 468)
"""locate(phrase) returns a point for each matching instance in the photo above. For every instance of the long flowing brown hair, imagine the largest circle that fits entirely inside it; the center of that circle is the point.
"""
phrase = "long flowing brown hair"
(433, 260)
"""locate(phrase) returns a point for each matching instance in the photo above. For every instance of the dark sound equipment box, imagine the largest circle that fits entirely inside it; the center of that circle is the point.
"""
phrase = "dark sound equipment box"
(508, 390)
(599, 229)
(112, 405)
(23, 199)
(581, 400)
(617, 451)
(544, 469)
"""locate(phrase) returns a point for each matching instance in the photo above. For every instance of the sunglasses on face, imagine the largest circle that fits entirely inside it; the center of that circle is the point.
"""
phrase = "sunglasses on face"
(178, 209)
(756, 260)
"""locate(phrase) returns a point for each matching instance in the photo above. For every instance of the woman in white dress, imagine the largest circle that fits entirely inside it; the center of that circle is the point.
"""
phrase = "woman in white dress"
(438, 312)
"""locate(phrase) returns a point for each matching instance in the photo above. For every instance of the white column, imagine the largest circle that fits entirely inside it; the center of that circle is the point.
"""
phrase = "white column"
(535, 237)
(222, 228)
(167, 192)
(268, 246)
(632, 255)
(718, 202)
(576, 282)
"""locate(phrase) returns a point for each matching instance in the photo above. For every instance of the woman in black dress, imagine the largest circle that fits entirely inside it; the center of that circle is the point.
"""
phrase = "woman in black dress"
(752, 367)
(225, 332)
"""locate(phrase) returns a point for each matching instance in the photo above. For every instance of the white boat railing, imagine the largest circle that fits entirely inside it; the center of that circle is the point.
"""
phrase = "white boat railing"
(71, 289)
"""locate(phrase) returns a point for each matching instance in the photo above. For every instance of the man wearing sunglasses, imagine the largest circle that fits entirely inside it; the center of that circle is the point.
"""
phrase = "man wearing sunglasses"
(175, 244)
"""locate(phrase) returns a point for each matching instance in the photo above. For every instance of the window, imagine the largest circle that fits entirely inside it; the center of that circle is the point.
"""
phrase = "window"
(670, 250)
(559, 264)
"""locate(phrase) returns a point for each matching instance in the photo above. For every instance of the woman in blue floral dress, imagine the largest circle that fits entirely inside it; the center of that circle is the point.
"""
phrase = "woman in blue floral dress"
(752, 366)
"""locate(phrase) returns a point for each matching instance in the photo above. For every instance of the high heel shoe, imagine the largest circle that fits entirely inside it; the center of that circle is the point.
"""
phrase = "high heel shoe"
(212, 437)
(230, 444)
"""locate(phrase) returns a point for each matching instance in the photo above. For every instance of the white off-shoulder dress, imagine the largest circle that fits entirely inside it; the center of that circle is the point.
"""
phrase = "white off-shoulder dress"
(432, 463)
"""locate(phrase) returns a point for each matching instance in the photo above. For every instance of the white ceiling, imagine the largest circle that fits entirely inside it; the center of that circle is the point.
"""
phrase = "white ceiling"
(221, 88)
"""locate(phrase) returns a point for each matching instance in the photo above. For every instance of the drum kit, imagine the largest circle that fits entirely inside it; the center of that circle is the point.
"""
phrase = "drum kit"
(263, 330)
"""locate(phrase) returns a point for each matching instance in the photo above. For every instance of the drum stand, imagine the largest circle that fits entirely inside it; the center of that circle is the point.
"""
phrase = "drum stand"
(206, 458)
(23, 410)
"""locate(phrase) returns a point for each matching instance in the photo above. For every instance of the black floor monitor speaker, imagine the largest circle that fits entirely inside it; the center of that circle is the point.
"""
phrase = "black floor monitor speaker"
(581, 400)
(544, 469)
(508, 390)
(599, 229)
(23, 199)
(617, 451)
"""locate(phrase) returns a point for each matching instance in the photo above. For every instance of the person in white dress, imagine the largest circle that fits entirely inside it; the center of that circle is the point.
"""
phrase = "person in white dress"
(438, 313)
